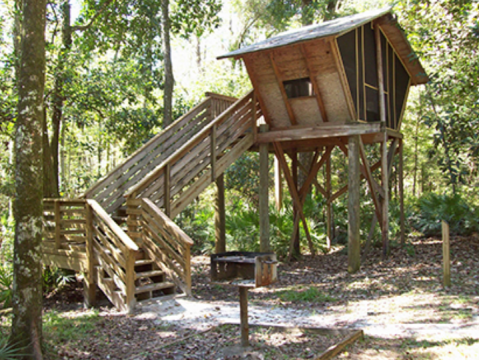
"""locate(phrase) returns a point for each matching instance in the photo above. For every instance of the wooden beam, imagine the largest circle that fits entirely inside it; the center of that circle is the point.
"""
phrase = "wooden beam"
(278, 186)
(329, 206)
(354, 249)
(294, 193)
(320, 131)
(379, 62)
(213, 152)
(369, 178)
(220, 215)
(385, 200)
(401, 193)
(312, 78)
(89, 284)
(314, 172)
(263, 195)
(391, 152)
(292, 118)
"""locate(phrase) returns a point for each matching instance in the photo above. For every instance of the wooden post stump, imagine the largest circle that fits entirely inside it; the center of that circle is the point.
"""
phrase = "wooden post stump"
(354, 259)
(446, 254)
(243, 293)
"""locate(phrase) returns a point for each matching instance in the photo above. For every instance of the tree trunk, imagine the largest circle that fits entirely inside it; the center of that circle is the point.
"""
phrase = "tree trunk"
(27, 276)
(58, 99)
(169, 79)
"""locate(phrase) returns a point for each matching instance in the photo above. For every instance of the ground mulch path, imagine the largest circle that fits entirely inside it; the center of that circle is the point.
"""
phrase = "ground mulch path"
(400, 303)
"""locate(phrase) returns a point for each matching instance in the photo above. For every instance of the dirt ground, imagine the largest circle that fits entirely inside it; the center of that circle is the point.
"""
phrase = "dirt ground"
(400, 304)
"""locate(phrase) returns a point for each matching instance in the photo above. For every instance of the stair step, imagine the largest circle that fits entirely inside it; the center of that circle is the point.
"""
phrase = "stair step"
(153, 287)
(151, 273)
(143, 262)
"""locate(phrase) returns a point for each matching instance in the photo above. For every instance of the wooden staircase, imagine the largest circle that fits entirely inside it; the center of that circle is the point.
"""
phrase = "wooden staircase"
(149, 258)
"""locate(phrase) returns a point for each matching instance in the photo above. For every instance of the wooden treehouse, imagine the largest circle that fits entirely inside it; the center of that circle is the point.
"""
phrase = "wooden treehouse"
(343, 83)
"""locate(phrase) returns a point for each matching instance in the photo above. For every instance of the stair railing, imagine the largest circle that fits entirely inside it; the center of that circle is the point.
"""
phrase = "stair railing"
(167, 245)
(181, 177)
(64, 232)
(109, 191)
(115, 253)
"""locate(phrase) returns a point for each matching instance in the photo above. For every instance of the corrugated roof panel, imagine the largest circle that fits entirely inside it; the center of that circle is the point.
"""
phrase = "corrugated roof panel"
(325, 29)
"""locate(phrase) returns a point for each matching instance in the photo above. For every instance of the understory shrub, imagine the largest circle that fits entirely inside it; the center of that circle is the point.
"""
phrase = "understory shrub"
(432, 208)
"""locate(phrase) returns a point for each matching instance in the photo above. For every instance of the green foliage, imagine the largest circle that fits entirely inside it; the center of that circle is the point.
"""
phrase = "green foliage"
(54, 277)
(198, 222)
(310, 294)
(242, 177)
(451, 100)
(6, 286)
(10, 351)
(463, 219)
(195, 17)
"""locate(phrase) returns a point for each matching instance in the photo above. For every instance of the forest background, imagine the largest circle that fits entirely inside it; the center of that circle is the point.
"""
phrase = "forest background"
(108, 82)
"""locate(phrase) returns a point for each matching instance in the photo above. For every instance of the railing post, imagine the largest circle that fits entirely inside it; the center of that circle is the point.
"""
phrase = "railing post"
(187, 257)
(167, 189)
(90, 283)
(58, 226)
(130, 281)
(254, 119)
(213, 152)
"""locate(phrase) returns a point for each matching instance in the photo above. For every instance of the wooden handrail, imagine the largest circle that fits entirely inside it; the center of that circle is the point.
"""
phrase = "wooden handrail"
(114, 227)
(161, 236)
(187, 146)
(181, 236)
(139, 151)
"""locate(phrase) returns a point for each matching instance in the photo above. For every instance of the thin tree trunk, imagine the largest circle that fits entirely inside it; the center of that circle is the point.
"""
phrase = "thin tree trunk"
(169, 79)
(58, 94)
(27, 276)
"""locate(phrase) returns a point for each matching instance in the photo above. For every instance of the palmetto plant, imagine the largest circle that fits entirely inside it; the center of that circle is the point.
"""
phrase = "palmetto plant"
(6, 281)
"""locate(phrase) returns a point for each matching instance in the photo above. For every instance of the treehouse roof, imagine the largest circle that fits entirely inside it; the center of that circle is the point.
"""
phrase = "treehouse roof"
(341, 26)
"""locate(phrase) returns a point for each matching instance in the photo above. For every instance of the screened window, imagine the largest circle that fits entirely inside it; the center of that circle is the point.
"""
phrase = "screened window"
(298, 88)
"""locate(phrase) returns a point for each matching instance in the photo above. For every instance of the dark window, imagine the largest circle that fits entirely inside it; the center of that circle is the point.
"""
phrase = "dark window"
(347, 48)
(402, 82)
(298, 88)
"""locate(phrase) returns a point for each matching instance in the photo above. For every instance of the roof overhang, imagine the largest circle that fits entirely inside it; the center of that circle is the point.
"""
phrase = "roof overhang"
(335, 28)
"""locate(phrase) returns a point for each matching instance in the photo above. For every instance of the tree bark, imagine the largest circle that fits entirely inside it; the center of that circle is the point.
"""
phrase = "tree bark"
(169, 79)
(27, 276)
(58, 100)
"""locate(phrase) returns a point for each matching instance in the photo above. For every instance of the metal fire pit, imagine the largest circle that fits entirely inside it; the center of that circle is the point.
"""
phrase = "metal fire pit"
(244, 270)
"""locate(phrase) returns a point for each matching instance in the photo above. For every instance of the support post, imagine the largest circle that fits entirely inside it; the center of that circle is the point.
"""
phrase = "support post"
(89, 285)
(58, 225)
(296, 243)
(385, 200)
(446, 254)
(278, 188)
(329, 206)
(220, 216)
(401, 192)
(243, 294)
(384, 148)
(354, 260)
(263, 195)
(167, 200)
(130, 300)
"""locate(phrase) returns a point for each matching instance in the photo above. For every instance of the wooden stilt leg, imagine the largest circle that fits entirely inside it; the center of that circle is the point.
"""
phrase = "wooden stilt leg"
(385, 200)
(263, 196)
(353, 205)
(401, 192)
(220, 216)
(296, 244)
(243, 293)
(329, 207)
(278, 189)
